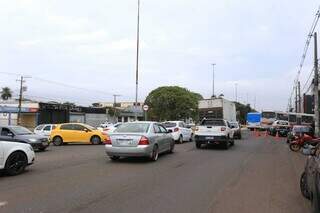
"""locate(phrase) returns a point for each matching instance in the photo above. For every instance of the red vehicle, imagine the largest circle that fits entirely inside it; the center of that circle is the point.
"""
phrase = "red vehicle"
(301, 141)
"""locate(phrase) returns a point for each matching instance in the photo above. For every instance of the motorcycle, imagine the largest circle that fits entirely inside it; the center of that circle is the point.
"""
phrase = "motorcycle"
(303, 141)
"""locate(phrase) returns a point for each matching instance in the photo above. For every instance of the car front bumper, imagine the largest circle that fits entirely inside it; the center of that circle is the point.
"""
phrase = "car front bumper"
(138, 151)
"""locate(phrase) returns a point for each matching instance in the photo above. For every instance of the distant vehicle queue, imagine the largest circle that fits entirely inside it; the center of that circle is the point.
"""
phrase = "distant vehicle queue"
(266, 119)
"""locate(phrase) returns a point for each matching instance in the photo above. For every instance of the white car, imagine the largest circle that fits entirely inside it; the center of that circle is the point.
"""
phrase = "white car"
(44, 129)
(111, 129)
(214, 131)
(179, 131)
(15, 157)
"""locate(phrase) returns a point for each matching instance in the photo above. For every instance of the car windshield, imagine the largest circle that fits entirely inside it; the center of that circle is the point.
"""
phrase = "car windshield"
(40, 127)
(133, 128)
(234, 124)
(213, 123)
(169, 124)
(268, 114)
(19, 130)
(89, 127)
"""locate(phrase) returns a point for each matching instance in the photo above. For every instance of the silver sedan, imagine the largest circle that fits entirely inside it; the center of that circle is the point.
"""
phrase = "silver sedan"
(139, 139)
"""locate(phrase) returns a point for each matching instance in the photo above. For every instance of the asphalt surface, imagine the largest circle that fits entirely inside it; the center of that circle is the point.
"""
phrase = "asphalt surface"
(257, 175)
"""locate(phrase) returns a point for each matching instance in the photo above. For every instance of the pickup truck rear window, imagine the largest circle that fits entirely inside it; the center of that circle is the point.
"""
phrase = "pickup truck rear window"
(213, 123)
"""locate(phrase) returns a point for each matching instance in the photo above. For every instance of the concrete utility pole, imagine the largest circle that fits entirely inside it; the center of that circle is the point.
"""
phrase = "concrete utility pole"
(21, 80)
(137, 63)
(115, 106)
(316, 86)
(299, 97)
(296, 98)
(213, 80)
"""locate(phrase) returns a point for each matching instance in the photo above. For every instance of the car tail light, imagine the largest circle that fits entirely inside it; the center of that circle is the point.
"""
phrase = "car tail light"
(107, 140)
(176, 129)
(223, 129)
(144, 141)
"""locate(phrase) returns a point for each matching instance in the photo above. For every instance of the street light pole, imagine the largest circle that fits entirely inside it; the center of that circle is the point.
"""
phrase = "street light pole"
(213, 80)
(137, 62)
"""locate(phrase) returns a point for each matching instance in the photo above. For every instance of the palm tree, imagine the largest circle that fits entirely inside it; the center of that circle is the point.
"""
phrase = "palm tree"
(6, 93)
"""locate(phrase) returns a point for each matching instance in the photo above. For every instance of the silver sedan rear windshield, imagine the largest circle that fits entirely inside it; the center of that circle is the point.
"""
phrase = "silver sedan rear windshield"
(133, 128)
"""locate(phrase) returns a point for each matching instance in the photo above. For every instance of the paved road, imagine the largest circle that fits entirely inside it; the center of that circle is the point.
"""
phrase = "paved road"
(258, 175)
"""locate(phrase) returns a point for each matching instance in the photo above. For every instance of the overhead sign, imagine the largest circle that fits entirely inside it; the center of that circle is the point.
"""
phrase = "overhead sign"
(145, 107)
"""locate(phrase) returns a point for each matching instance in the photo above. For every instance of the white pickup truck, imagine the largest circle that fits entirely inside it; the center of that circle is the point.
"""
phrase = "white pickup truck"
(214, 131)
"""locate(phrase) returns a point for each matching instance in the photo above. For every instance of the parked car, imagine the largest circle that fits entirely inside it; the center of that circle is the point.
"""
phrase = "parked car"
(298, 131)
(214, 131)
(44, 129)
(15, 157)
(310, 178)
(77, 133)
(282, 128)
(180, 131)
(236, 130)
(139, 139)
(23, 135)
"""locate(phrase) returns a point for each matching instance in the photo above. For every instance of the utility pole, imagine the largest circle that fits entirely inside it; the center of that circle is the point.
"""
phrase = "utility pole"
(21, 80)
(213, 80)
(316, 86)
(137, 62)
(296, 97)
(115, 106)
(299, 97)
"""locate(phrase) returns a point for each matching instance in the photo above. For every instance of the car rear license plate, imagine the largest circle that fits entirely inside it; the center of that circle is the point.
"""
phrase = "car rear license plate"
(209, 138)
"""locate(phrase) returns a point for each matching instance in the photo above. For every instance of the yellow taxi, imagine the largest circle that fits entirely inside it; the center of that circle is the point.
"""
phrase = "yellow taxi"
(77, 133)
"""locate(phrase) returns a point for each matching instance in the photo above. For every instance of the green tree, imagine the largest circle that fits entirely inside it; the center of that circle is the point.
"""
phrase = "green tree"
(6, 93)
(172, 103)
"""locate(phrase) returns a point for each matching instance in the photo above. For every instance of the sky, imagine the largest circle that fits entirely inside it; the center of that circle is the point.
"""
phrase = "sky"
(85, 51)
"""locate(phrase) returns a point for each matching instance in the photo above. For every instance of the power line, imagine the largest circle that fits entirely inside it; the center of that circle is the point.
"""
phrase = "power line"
(305, 50)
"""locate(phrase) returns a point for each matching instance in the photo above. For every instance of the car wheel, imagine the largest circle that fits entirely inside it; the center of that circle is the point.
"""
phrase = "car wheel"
(198, 145)
(191, 138)
(304, 186)
(114, 158)
(16, 163)
(226, 144)
(57, 141)
(171, 147)
(42, 149)
(95, 140)
(155, 153)
(294, 147)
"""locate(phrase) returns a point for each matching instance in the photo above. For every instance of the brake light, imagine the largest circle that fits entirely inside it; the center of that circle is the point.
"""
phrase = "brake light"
(144, 141)
(176, 129)
(107, 140)
(223, 129)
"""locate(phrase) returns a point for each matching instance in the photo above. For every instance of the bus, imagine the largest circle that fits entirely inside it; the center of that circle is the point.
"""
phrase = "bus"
(267, 118)
(253, 120)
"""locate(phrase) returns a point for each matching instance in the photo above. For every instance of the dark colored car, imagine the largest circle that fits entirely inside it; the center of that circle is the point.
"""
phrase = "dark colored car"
(23, 135)
(299, 131)
(310, 179)
(282, 131)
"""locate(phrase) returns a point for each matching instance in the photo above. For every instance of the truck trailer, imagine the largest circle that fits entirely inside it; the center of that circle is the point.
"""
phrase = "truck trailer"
(217, 108)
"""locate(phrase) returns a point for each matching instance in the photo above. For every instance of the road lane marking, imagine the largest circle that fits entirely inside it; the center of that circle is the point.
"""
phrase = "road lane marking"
(3, 203)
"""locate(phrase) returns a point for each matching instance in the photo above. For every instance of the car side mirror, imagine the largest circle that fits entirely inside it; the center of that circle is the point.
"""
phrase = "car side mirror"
(169, 131)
